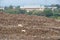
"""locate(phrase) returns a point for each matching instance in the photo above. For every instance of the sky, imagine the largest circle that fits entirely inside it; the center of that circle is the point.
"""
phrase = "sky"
(28, 2)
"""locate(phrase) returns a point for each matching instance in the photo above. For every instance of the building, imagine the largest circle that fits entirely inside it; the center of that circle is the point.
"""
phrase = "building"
(1, 8)
(41, 8)
(31, 8)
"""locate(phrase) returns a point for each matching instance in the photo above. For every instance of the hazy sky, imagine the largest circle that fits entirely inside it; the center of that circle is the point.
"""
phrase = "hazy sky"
(28, 2)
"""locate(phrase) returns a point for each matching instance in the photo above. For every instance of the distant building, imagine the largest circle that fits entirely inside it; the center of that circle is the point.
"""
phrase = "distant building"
(1, 8)
(31, 8)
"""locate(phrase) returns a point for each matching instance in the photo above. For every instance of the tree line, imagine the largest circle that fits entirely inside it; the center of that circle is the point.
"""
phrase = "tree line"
(47, 12)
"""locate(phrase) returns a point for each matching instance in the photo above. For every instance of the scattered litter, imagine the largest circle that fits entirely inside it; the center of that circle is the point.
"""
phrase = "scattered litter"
(20, 25)
(23, 30)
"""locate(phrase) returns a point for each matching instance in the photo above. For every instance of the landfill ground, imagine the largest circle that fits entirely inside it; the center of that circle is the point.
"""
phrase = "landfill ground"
(28, 27)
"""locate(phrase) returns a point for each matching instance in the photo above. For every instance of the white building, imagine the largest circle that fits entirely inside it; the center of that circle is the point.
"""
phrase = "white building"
(31, 8)
(1, 8)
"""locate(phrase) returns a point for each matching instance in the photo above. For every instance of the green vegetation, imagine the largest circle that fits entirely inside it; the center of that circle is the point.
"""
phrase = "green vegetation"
(47, 12)
(12, 10)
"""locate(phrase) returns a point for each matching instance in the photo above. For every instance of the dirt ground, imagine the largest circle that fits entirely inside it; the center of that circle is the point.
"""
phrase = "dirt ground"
(28, 27)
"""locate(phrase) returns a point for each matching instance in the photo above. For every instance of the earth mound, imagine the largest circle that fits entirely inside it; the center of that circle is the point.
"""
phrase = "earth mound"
(28, 27)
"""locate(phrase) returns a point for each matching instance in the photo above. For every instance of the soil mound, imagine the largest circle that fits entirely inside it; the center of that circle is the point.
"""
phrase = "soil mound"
(28, 27)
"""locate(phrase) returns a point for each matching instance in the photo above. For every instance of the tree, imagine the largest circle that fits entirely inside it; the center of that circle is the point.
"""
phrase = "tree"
(18, 7)
(1, 10)
(48, 12)
(23, 11)
(56, 5)
(37, 12)
(10, 7)
(5, 7)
